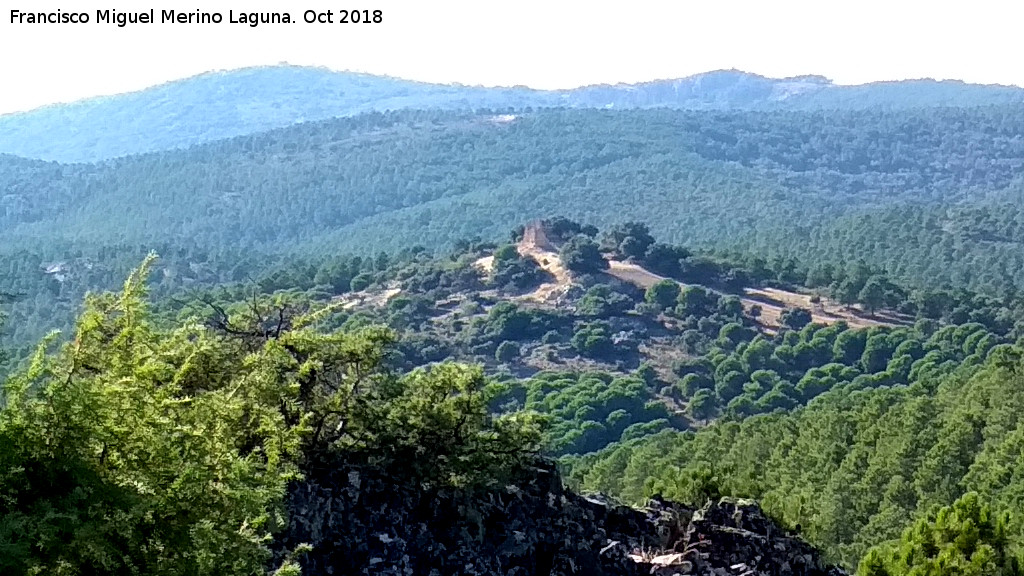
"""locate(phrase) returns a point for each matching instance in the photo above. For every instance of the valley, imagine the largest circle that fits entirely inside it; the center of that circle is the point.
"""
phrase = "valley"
(422, 327)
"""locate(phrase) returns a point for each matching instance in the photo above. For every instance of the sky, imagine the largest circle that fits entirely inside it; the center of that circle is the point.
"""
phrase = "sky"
(549, 44)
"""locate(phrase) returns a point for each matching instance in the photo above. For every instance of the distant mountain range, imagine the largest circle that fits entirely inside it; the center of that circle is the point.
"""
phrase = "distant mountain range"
(221, 105)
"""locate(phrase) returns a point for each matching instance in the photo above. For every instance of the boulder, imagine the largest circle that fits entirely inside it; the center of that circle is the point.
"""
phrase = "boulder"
(360, 522)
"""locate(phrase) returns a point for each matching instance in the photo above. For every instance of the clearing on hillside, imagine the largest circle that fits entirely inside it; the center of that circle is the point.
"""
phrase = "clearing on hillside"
(772, 302)
(367, 298)
(535, 245)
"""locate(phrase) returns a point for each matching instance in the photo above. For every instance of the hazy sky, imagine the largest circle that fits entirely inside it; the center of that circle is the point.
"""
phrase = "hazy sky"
(550, 44)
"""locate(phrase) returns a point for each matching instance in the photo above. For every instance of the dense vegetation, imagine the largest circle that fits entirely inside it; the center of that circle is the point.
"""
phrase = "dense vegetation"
(589, 410)
(856, 466)
(106, 437)
(347, 291)
(925, 196)
(964, 538)
(141, 450)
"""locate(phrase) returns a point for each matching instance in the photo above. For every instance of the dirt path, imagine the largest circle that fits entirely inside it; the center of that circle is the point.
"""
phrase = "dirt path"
(772, 301)
(536, 247)
(634, 274)
(827, 311)
(366, 298)
(486, 264)
(550, 263)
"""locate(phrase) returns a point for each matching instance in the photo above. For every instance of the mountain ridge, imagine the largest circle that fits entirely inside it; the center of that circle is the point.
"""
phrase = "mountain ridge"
(247, 69)
(224, 104)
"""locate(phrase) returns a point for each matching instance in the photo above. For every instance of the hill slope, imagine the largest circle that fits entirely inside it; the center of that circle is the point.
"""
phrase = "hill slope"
(778, 183)
(924, 195)
(220, 105)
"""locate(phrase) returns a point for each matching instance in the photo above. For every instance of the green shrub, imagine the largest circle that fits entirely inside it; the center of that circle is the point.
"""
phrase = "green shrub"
(507, 352)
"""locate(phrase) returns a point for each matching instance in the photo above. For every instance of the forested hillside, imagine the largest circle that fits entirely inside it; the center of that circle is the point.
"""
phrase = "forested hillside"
(855, 467)
(221, 105)
(931, 197)
(783, 290)
(359, 373)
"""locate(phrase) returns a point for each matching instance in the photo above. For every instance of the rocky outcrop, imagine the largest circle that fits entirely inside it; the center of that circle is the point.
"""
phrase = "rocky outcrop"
(362, 523)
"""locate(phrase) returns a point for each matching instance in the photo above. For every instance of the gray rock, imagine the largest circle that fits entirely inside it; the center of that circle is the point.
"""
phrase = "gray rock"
(360, 522)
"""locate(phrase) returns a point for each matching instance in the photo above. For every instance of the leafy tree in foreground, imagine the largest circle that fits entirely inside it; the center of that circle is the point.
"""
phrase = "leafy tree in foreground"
(132, 453)
(136, 450)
